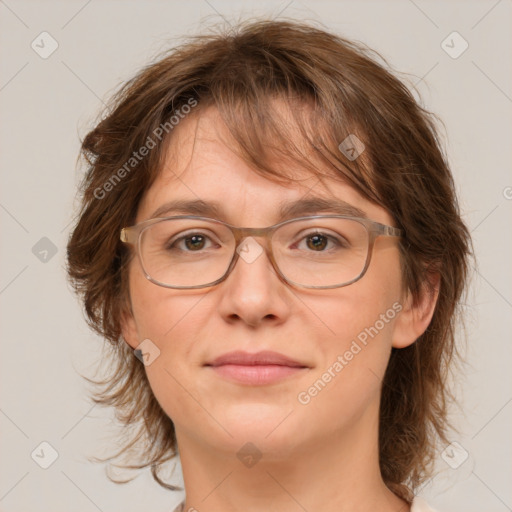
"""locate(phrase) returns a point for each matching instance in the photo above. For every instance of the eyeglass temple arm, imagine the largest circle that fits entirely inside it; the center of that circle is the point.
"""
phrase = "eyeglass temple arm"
(390, 231)
(128, 236)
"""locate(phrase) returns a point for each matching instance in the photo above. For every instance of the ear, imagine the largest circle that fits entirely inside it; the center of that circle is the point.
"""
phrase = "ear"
(129, 329)
(415, 317)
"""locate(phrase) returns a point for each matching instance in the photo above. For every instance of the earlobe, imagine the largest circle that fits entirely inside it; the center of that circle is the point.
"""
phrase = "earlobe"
(129, 329)
(416, 316)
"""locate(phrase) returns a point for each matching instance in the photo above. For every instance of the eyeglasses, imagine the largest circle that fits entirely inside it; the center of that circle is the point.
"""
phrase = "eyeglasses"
(320, 251)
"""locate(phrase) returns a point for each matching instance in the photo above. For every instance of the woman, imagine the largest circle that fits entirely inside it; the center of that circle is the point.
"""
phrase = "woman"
(269, 224)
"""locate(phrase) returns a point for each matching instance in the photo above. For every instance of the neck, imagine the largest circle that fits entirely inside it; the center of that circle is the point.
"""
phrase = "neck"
(337, 473)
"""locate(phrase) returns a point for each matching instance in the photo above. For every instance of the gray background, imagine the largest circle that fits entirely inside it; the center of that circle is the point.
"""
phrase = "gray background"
(47, 104)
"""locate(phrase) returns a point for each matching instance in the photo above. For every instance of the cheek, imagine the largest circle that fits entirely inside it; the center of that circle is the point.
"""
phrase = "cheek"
(357, 346)
(348, 382)
(352, 310)
(162, 313)
(171, 320)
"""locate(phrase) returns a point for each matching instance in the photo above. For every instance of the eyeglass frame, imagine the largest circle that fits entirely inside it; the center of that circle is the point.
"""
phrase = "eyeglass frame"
(131, 235)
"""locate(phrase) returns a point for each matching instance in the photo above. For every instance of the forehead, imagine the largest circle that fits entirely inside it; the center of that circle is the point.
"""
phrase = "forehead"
(203, 164)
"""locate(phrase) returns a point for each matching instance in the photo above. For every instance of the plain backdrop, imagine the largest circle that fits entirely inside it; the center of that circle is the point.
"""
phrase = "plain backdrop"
(48, 104)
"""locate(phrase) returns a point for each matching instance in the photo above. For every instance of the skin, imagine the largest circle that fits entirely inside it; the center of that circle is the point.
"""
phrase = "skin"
(317, 456)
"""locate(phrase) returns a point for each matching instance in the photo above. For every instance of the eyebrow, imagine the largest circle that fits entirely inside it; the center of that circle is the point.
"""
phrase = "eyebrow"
(301, 207)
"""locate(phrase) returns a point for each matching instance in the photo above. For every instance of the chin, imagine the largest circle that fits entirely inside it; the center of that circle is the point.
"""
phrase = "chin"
(266, 424)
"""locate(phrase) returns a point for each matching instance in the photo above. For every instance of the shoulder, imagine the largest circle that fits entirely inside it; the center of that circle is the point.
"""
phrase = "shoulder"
(420, 505)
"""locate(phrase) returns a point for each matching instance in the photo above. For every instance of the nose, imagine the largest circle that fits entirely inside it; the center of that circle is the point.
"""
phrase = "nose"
(253, 292)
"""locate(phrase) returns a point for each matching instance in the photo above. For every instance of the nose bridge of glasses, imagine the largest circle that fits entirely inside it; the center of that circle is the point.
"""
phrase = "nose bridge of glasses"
(250, 249)
(242, 233)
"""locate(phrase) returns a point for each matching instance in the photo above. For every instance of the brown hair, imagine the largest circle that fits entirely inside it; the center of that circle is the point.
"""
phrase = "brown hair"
(241, 72)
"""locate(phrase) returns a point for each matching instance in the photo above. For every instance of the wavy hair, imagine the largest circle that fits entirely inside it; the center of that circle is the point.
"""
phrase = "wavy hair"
(346, 90)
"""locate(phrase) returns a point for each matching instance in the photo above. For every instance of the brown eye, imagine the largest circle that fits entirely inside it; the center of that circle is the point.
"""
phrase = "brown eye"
(317, 242)
(192, 242)
(195, 242)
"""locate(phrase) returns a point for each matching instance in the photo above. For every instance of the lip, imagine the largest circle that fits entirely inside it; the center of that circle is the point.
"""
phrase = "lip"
(256, 369)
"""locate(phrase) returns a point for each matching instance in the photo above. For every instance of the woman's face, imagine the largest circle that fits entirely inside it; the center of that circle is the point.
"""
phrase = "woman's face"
(340, 337)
